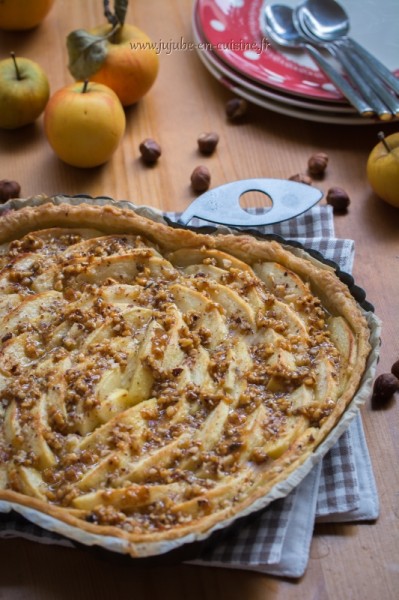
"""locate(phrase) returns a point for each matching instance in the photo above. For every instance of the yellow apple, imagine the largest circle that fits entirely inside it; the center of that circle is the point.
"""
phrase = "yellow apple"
(24, 92)
(18, 15)
(84, 123)
(383, 169)
(131, 64)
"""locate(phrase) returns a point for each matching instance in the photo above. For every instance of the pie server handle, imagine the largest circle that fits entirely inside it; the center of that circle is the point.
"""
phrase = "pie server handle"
(222, 204)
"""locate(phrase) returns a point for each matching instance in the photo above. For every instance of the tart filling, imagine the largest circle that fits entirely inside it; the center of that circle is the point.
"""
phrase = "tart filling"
(155, 382)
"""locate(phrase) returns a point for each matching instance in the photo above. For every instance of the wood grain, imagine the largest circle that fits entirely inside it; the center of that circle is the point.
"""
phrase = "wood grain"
(347, 561)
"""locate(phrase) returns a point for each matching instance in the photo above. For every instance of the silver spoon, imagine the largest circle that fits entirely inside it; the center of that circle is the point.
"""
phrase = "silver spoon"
(329, 22)
(384, 102)
(276, 20)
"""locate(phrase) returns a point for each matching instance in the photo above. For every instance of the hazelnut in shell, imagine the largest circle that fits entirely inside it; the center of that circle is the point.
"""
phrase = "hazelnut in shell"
(236, 108)
(150, 151)
(338, 198)
(384, 388)
(200, 179)
(207, 142)
(317, 164)
(9, 189)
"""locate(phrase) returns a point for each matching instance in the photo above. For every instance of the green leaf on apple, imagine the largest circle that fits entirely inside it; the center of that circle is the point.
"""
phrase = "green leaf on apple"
(86, 53)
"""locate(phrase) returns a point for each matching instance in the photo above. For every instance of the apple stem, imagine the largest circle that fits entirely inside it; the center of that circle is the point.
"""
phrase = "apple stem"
(382, 139)
(85, 85)
(109, 15)
(119, 15)
(12, 54)
(111, 35)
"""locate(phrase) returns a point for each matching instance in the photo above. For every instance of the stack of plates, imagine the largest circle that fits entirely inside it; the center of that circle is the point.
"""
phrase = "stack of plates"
(232, 46)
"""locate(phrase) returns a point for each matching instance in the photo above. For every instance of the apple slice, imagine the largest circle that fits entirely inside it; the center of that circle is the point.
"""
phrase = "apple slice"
(13, 354)
(123, 268)
(192, 256)
(208, 316)
(34, 431)
(12, 426)
(209, 499)
(31, 482)
(120, 294)
(13, 274)
(160, 458)
(343, 339)
(8, 303)
(41, 307)
(130, 497)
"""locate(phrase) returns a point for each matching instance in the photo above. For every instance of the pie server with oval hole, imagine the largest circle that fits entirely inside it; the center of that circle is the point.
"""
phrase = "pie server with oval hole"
(222, 204)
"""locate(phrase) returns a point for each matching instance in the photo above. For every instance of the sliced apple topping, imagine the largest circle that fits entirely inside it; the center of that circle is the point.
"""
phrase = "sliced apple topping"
(146, 388)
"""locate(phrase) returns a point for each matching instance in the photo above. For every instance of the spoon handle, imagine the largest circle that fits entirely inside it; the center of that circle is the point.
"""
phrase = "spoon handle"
(340, 82)
(376, 83)
(379, 69)
(383, 102)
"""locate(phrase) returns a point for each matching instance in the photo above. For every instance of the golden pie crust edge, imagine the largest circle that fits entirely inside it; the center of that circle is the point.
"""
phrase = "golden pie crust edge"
(110, 219)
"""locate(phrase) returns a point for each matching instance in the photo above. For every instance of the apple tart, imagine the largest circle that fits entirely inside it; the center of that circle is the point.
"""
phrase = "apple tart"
(155, 382)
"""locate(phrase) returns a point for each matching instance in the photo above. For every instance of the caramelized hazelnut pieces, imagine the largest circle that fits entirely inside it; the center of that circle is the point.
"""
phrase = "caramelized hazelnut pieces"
(207, 142)
(150, 151)
(200, 179)
(9, 189)
(317, 164)
(338, 199)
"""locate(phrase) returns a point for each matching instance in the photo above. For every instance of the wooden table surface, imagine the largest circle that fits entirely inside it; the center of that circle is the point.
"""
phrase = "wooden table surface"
(346, 561)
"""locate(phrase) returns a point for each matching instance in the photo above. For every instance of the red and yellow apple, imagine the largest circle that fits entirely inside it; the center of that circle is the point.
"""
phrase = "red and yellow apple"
(383, 169)
(19, 15)
(84, 123)
(131, 63)
(24, 92)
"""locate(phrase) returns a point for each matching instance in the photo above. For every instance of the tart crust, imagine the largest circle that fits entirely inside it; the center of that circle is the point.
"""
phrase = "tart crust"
(157, 382)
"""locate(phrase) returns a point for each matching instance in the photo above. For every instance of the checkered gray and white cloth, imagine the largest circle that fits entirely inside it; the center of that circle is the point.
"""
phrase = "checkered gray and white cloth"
(340, 488)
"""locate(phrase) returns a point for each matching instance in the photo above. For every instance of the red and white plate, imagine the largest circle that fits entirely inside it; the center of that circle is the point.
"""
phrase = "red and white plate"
(216, 65)
(231, 30)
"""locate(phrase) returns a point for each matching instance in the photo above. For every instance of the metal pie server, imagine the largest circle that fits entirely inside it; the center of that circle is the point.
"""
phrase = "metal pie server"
(222, 204)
